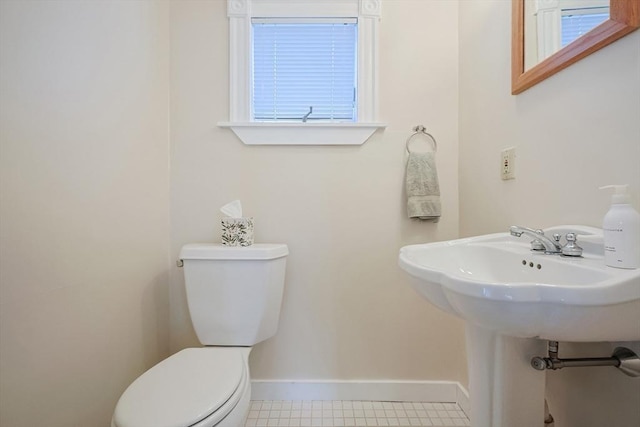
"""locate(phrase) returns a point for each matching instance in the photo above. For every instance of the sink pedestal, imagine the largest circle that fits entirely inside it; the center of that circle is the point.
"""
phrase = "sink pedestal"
(504, 390)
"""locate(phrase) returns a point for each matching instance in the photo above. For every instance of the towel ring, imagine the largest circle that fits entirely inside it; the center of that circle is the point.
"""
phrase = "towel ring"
(421, 130)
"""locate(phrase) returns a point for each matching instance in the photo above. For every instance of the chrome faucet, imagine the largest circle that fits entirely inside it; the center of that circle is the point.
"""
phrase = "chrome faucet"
(540, 242)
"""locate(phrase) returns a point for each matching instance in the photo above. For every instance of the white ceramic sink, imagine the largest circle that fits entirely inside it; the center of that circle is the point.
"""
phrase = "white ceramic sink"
(498, 283)
(509, 297)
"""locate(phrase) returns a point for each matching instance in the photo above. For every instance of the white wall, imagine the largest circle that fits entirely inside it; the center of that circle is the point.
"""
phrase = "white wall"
(84, 208)
(573, 132)
(348, 310)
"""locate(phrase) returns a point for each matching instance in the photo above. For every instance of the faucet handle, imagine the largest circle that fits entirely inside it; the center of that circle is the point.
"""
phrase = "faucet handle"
(571, 248)
(556, 237)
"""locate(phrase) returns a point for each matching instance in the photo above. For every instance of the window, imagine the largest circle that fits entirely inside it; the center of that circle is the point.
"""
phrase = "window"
(577, 22)
(303, 71)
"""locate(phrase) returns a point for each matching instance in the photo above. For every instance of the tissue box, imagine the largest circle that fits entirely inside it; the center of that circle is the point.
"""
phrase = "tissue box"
(237, 231)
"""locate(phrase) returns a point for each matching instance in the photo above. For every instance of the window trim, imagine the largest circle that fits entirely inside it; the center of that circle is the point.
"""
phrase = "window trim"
(240, 13)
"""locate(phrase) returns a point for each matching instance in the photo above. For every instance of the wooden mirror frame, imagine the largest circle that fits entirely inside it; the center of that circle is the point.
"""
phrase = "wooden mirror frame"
(624, 19)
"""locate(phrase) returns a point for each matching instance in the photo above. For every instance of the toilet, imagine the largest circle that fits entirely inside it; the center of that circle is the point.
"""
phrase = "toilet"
(234, 296)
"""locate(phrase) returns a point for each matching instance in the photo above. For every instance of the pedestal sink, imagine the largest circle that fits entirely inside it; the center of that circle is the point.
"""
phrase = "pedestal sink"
(513, 299)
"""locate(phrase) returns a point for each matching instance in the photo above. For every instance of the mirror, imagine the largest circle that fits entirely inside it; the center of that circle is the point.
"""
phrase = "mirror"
(550, 25)
(544, 54)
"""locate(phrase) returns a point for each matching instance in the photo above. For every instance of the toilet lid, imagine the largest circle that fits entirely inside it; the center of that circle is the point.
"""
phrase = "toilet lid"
(183, 389)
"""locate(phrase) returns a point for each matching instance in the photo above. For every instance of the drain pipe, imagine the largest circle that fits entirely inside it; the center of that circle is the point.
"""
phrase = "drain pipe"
(622, 358)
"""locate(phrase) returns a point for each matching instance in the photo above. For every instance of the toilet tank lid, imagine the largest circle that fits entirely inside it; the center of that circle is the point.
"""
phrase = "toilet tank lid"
(218, 251)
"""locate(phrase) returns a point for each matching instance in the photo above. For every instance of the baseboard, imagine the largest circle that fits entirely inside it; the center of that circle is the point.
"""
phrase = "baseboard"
(462, 400)
(386, 391)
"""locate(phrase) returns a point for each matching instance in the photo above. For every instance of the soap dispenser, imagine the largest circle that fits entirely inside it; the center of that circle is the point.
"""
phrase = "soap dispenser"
(621, 229)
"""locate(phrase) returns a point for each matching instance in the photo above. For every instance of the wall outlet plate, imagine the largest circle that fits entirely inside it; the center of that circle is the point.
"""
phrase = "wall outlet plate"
(507, 163)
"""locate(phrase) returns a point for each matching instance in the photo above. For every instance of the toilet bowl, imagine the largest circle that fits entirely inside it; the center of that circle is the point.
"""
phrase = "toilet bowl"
(234, 296)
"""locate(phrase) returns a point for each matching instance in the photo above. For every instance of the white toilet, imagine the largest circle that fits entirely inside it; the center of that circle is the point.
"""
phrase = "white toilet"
(234, 296)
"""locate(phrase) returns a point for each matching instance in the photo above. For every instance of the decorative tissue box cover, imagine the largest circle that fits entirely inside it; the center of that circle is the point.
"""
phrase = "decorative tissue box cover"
(237, 231)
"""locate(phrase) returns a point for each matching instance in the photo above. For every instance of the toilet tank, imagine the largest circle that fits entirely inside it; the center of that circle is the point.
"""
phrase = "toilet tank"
(234, 293)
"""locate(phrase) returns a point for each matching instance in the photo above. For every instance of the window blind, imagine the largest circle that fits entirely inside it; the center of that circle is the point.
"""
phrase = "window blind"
(575, 25)
(304, 70)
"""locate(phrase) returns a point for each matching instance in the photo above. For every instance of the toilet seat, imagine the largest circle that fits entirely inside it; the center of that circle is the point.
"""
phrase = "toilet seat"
(196, 386)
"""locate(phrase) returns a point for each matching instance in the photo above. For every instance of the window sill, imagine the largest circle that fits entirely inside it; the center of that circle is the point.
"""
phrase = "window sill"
(254, 133)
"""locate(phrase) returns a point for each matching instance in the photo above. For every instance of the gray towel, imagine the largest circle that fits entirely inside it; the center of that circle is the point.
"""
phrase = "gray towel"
(423, 190)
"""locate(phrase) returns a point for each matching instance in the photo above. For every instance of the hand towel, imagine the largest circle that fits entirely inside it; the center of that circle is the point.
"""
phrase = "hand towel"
(423, 190)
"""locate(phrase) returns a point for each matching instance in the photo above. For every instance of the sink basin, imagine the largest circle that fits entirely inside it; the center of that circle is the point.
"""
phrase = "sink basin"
(496, 282)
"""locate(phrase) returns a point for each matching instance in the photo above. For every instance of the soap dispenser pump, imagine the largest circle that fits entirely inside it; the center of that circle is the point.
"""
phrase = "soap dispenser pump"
(621, 229)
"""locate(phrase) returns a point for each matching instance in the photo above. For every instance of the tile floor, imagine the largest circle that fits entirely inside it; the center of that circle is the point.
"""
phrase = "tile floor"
(341, 413)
